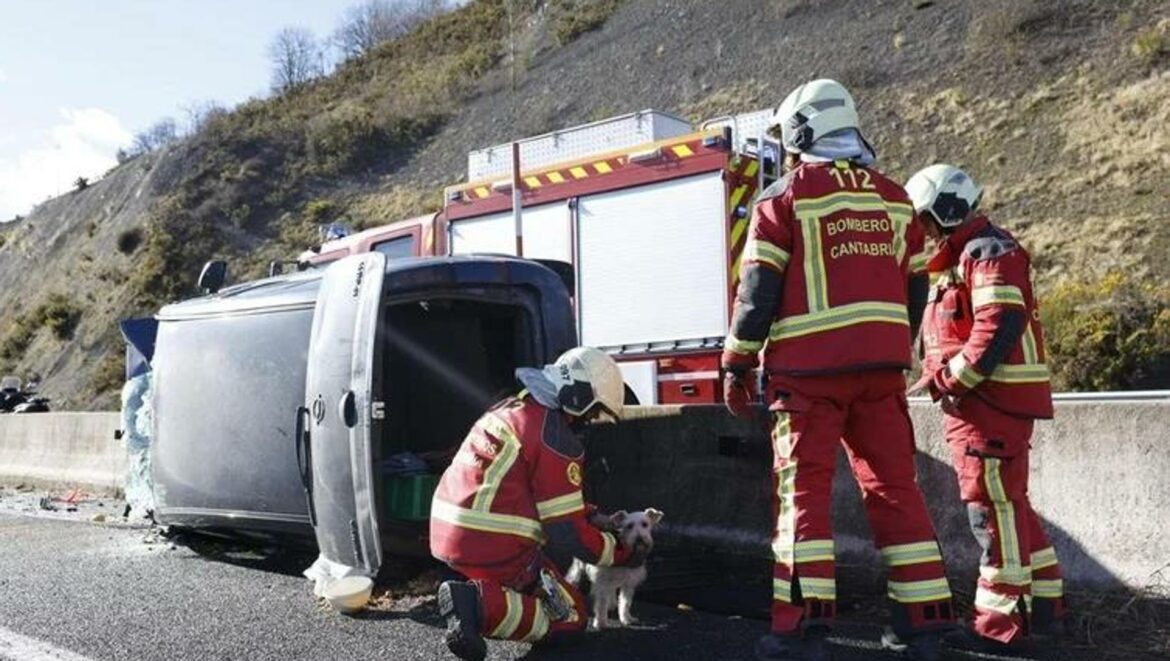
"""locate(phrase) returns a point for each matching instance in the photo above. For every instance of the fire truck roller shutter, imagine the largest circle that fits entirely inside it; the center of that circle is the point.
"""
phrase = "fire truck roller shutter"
(652, 263)
(546, 233)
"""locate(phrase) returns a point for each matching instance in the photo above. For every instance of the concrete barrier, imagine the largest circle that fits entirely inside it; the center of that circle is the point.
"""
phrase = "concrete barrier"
(58, 450)
(1100, 474)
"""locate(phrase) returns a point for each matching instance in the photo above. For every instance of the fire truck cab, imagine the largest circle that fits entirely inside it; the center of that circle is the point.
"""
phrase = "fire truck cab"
(651, 214)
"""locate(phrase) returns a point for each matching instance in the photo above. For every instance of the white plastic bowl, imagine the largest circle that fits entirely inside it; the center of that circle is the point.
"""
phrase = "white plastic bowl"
(350, 594)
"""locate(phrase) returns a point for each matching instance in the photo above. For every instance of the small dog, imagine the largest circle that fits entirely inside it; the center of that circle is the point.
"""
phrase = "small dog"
(617, 584)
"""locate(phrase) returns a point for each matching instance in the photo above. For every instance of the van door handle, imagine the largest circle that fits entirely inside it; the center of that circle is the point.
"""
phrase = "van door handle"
(347, 407)
(689, 389)
(304, 450)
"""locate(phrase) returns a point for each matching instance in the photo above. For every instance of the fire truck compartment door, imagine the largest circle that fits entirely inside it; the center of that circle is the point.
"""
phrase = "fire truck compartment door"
(652, 263)
(546, 233)
(334, 428)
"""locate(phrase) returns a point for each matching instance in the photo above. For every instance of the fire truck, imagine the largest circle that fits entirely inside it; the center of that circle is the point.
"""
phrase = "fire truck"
(651, 213)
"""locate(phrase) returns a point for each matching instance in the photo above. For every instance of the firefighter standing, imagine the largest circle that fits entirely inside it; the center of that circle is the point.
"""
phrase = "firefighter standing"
(509, 514)
(832, 259)
(984, 361)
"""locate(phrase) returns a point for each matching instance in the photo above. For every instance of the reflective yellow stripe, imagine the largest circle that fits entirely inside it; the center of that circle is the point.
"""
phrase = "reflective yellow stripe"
(918, 263)
(682, 151)
(1005, 517)
(900, 555)
(752, 168)
(501, 464)
(1048, 588)
(818, 588)
(839, 317)
(913, 592)
(967, 375)
(608, 544)
(988, 600)
(784, 541)
(816, 287)
(532, 182)
(1021, 374)
(759, 250)
(578, 172)
(555, 177)
(539, 625)
(515, 611)
(733, 203)
(560, 506)
(781, 590)
(813, 550)
(1044, 558)
(733, 343)
(1006, 575)
(506, 524)
(996, 295)
(853, 201)
(1031, 352)
(737, 230)
(900, 223)
(602, 167)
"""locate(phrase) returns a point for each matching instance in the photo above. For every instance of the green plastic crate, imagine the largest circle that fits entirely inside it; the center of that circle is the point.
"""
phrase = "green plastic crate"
(408, 498)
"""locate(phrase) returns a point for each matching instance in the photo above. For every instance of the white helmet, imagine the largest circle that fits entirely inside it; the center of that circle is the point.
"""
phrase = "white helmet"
(945, 192)
(581, 381)
(813, 111)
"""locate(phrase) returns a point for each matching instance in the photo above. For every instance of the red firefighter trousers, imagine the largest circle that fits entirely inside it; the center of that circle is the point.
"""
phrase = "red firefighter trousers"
(510, 600)
(1019, 575)
(867, 410)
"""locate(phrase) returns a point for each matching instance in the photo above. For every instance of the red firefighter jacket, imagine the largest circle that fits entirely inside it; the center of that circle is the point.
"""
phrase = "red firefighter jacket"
(981, 333)
(513, 486)
(825, 273)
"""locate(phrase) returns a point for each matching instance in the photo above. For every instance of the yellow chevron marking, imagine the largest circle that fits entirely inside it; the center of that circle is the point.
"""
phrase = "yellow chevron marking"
(578, 172)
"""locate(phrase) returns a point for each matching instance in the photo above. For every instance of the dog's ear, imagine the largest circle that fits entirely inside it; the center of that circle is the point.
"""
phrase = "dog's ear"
(654, 515)
(618, 518)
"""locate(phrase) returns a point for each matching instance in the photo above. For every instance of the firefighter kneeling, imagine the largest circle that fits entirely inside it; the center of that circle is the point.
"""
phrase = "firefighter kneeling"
(509, 513)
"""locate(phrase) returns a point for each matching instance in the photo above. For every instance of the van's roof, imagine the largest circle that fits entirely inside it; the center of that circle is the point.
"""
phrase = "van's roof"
(298, 290)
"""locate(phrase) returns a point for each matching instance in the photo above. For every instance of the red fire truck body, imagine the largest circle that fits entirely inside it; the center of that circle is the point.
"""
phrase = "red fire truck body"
(653, 231)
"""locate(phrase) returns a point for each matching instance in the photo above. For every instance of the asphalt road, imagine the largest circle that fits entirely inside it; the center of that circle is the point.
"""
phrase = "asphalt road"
(73, 589)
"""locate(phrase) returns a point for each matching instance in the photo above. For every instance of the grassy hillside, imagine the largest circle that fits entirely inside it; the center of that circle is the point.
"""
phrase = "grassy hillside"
(1059, 106)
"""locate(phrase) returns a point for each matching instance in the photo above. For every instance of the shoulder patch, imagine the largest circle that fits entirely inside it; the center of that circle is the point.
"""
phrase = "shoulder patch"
(559, 437)
(776, 189)
(989, 247)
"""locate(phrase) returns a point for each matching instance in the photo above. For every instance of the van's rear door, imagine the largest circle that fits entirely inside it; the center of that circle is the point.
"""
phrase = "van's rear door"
(335, 424)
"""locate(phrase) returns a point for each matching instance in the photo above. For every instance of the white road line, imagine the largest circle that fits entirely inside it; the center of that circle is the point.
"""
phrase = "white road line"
(22, 648)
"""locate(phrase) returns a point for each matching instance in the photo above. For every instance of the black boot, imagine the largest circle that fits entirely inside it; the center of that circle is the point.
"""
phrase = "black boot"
(1047, 627)
(459, 604)
(966, 640)
(811, 645)
(924, 646)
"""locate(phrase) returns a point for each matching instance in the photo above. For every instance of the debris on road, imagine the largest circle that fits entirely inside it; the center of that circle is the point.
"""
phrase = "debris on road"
(348, 595)
(98, 518)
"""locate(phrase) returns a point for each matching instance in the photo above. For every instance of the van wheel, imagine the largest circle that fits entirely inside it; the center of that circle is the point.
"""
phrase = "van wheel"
(630, 398)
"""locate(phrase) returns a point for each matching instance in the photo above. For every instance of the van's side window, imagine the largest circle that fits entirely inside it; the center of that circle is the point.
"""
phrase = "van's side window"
(402, 246)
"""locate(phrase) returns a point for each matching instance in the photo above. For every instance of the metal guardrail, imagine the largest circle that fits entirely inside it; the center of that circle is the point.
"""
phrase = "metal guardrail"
(1119, 396)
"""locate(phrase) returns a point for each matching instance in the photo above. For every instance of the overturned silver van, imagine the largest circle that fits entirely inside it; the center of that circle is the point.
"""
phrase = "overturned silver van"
(327, 402)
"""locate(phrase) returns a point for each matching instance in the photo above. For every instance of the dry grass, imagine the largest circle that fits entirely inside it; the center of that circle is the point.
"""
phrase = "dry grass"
(397, 203)
(1153, 43)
